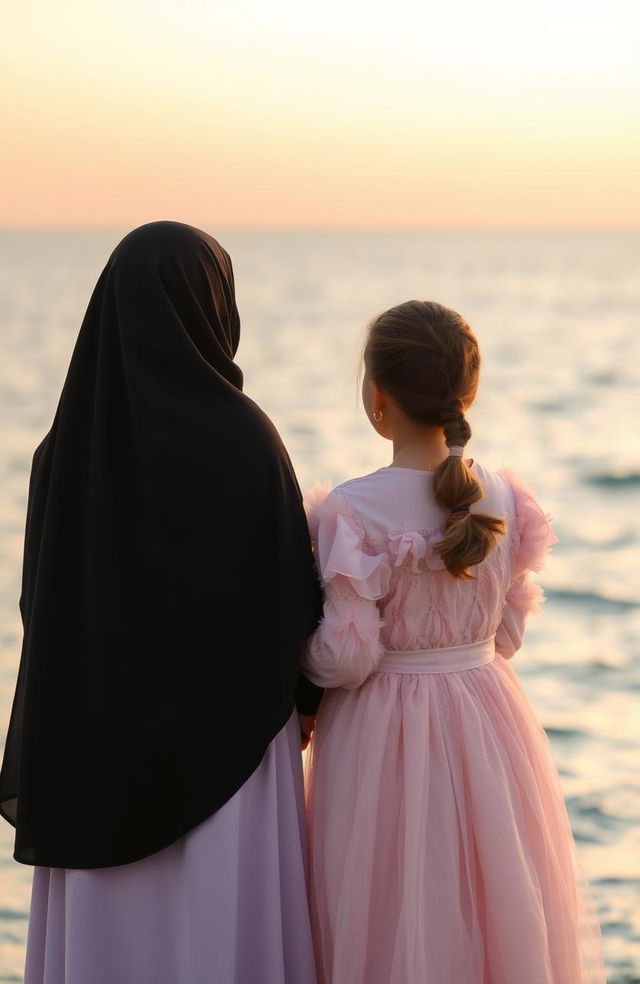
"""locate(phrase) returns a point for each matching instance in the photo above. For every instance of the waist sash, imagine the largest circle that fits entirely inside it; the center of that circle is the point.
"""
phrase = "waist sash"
(451, 659)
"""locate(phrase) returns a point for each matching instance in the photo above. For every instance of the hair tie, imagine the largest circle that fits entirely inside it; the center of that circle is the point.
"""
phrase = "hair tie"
(460, 511)
(456, 451)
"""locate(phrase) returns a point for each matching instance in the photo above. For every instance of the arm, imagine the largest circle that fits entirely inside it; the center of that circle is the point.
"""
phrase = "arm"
(346, 647)
(534, 537)
(523, 598)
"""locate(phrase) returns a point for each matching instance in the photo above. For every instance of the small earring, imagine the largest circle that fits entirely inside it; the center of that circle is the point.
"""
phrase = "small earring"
(377, 416)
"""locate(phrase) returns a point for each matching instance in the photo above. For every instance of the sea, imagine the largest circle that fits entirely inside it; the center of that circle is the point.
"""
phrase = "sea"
(557, 315)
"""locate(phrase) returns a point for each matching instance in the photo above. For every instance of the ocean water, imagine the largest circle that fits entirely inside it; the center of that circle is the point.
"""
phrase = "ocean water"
(557, 316)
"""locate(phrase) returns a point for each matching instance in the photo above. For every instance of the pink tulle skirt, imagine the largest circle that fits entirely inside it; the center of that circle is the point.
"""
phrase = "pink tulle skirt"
(441, 851)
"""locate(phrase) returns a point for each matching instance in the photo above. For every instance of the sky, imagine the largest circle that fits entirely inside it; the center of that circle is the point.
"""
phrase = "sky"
(460, 114)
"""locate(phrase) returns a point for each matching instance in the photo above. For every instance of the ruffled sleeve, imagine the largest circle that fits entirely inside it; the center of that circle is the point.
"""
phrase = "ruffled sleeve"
(346, 647)
(534, 537)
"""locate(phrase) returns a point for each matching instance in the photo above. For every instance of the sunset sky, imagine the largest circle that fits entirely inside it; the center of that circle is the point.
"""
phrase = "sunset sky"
(466, 113)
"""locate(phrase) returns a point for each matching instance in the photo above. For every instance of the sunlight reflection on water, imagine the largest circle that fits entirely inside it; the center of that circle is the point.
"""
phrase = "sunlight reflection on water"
(556, 316)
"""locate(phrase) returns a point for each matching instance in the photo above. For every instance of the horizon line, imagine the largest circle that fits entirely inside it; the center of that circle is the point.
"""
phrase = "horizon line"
(312, 227)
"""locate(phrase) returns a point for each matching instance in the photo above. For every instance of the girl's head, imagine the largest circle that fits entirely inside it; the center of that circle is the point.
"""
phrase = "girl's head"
(425, 359)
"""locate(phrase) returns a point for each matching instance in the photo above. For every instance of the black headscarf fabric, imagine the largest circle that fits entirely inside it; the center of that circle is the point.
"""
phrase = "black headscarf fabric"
(168, 582)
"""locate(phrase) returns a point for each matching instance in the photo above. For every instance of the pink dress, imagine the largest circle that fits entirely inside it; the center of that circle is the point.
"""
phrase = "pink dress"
(440, 847)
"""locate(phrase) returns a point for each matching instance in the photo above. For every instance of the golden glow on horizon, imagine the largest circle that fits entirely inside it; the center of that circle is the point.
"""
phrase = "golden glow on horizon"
(485, 113)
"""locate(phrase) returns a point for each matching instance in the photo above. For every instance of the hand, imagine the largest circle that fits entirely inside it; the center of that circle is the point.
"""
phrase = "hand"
(307, 722)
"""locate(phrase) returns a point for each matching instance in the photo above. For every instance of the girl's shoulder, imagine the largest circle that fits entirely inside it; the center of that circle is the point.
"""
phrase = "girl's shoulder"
(356, 497)
(530, 524)
(389, 509)
(364, 488)
(325, 501)
(397, 490)
(338, 536)
(498, 490)
(391, 496)
(505, 494)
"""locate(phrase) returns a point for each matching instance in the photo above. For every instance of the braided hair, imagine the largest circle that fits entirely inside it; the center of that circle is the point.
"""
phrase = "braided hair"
(426, 357)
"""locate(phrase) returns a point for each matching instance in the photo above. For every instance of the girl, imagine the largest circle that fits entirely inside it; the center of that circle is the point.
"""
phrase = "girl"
(441, 852)
(152, 767)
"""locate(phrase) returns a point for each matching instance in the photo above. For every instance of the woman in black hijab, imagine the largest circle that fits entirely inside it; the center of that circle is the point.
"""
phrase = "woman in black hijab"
(168, 589)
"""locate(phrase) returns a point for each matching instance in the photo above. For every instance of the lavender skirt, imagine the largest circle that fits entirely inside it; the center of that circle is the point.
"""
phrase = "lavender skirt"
(226, 904)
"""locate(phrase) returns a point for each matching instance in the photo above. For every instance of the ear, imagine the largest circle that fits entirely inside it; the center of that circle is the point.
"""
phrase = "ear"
(378, 397)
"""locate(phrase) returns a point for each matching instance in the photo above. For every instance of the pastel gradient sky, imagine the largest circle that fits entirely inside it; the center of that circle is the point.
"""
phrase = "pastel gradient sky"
(464, 113)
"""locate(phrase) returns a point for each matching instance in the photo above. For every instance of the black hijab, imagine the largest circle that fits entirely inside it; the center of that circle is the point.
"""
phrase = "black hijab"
(168, 582)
